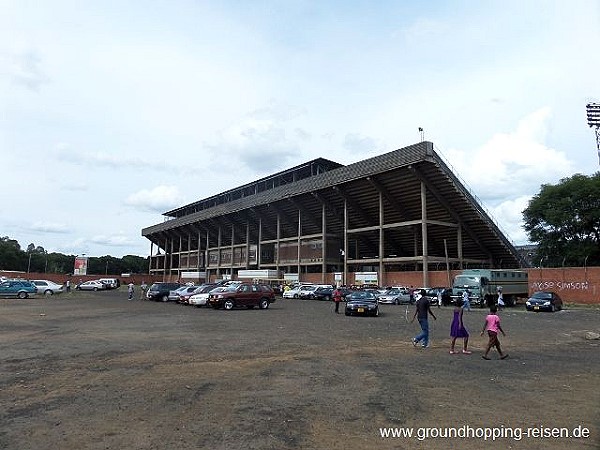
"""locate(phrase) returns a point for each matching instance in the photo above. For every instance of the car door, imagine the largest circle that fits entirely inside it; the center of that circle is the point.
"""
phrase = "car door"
(5, 289)
(244, 294)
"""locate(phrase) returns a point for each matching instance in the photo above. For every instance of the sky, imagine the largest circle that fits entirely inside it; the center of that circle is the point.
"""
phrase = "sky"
(114, 112)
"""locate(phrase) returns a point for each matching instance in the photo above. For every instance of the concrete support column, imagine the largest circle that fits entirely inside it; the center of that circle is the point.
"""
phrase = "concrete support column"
(219, 240)
(424, 235)
(459, 245)
(259, 246)
(381, 242)
(299, 240)
(346, 242)
(247, 244)
(324, 243)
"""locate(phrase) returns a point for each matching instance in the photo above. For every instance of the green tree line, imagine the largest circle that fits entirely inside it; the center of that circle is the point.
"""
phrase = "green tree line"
(37, 259)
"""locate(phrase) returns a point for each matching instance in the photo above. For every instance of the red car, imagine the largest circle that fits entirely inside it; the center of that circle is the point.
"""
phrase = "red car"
(244, 294)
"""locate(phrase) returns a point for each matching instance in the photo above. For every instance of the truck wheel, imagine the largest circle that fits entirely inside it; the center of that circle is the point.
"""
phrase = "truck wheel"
(228, 305)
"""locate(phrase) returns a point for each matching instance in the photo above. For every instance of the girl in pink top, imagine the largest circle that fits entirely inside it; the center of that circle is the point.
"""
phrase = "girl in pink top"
(492, 325)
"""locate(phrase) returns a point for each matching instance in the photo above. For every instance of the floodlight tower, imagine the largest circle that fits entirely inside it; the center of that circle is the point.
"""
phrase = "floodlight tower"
(593, 117)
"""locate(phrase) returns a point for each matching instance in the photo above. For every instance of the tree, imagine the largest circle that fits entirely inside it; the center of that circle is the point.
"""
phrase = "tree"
(37, 259)
(564, 220)
(10, 254)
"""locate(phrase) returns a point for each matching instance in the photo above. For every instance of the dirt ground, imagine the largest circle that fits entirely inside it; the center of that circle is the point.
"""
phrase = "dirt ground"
(95, 371)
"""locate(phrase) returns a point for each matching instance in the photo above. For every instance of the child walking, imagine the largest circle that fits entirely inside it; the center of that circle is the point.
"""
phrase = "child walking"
(458, 330)
(492, 325)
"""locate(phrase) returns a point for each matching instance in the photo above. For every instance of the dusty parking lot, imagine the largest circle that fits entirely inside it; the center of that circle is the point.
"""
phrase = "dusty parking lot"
(95, 371)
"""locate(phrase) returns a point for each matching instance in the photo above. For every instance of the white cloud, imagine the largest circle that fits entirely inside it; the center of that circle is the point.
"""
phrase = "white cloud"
(509, 217)
(510, 164)
(66, 153)
(510, 168)
(23, 68)
(356, 143)
(48, 227)
(159, 199)
(112, 241)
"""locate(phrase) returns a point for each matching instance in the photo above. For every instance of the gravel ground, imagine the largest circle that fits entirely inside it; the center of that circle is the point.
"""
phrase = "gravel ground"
(95, 371)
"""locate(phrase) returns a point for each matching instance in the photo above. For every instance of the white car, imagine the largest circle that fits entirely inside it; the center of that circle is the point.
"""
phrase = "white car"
(47, 287)
(201, 298)
(295, 291)
(92, 285)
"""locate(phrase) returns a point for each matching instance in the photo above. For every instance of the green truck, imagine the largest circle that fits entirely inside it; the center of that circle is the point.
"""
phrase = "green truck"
(483, 285)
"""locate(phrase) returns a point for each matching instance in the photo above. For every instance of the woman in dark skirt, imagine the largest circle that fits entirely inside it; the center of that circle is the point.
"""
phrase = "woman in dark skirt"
(458, 330)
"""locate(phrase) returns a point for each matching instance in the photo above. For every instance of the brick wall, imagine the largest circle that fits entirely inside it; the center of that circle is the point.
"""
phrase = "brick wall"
(62, 278)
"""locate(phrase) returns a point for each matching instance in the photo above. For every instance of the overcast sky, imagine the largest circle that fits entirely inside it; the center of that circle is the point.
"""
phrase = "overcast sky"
(113, 112)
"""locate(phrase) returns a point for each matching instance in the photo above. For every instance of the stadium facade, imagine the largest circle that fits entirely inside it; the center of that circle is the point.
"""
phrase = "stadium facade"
(401, 211)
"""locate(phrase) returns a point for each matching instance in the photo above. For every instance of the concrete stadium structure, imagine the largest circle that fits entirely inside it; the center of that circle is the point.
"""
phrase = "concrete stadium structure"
(401, 211)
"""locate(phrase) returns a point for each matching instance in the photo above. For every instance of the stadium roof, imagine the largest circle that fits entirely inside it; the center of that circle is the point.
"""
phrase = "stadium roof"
(398, 177)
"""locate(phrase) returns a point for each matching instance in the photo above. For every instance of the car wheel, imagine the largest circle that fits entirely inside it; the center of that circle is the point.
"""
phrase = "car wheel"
(95, 289)
(228, 305)
(22, 295)
(327, 298)
(264, 303)
(295, 295)
(48, 293)
(552, 308)
(165, 298)
(396, 302)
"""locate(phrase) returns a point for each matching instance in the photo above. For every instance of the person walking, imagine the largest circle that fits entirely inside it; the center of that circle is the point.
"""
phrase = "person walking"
(500, 299)
(143, 288)
(466, 300)
(337, 299)
(68, 285)
(492, 326)
(422, 311)
(458, 330)
(439, 298)
(130, 291)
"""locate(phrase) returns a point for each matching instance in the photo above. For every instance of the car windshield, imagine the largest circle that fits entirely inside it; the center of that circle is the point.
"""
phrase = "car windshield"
(206, 289)
(364, 296)
(542, 295)
(392, 292)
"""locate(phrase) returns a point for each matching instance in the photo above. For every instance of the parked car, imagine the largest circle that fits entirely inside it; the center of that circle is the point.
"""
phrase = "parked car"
(244, 294)
(92, 285)
(176, 295)
(200, 297)
(294, 292)
(306, 292)
(363, 303)
(432, 295)
(17, 288)
(309, 291)
(161, 291)
(111, 283)
(544, 301)
(47, 287)
(395, 296)
(184, 296)
(322, 293)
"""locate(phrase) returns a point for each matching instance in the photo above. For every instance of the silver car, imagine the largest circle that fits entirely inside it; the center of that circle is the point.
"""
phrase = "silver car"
(395, 296)
(92, 285)
(47, 287)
